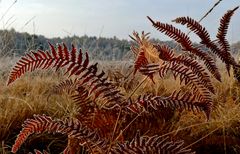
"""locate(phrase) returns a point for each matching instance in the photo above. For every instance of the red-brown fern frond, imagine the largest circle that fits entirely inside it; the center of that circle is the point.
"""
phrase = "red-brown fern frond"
(177, 100)
(69, 86)
(71, 127)
(186, 44)
(173, 33)
(140, 61)
(49, 59)
(196, 69)
(222, 30)
(185, 75)
(92, 116)
(166, 54)
(154, 144)
(99, 87)
(221, 35)
(197, 28)
(84, 104)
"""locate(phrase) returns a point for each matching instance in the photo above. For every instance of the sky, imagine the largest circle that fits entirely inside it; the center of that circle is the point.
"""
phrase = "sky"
(108, 18)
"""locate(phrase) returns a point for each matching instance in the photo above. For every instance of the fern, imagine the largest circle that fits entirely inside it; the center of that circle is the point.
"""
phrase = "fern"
(221, 35)
(140, 62)
(69, 86)
(44, 60)
(87, 75)
(185, 75)
(70, 127)
(196, 27)
(186, 44)
(154, 144)
(103, 111)
(166, 54)
(223, 52)
(175, 101)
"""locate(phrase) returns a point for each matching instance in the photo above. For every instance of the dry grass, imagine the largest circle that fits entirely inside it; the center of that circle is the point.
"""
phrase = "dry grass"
(31, 95)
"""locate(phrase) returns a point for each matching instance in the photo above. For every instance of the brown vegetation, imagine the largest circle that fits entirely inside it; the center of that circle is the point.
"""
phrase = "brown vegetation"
(104, 116)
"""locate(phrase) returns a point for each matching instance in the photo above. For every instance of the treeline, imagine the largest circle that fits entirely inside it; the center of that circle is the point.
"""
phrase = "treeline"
(13, 43)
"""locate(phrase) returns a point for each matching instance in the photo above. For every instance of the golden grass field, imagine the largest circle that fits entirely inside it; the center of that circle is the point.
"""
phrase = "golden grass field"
(32, 95)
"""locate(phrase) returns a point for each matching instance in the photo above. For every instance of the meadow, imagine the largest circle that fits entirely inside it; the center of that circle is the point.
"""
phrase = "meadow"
(62, 100)
(33, 94)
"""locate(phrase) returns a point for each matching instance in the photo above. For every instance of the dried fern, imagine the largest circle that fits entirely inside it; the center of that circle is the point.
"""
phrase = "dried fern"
(70, 127)
(154, 144)
(186, 76)
(186, 44)
(221, 35)
(224, 52)
(176, 101)
(69, 86)
(166, 54)
(87, 75)
(45, 60)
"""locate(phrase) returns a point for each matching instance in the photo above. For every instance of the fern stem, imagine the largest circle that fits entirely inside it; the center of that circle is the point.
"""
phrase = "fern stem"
(138, 86)
(128, 126)
(209, 11)
(89, 147)
(199, 124)
(224, 139)
(114, 130)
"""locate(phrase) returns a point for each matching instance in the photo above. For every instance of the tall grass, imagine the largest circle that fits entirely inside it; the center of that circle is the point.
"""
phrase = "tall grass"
(32, 95)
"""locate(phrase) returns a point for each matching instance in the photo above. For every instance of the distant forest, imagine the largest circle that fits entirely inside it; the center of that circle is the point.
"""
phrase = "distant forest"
(13, 43)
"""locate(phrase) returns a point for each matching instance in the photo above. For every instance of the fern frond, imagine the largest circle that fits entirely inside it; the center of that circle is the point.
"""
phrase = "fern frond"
(221, 35)
(140, 61)
(175, 101)
(70, 127)
(196, 69)
(154, 144)
(87, 75)
(185, 75)
(143, 44)
(222, 30)
(99, 87)
(49, 59)
(166, 54)
(186, 44)
(69, 86)
(91, 115)
(197, 28)
(173, 33)
(139, 40)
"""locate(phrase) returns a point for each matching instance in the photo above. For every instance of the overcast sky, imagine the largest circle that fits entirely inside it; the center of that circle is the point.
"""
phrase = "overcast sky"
(108, 18)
